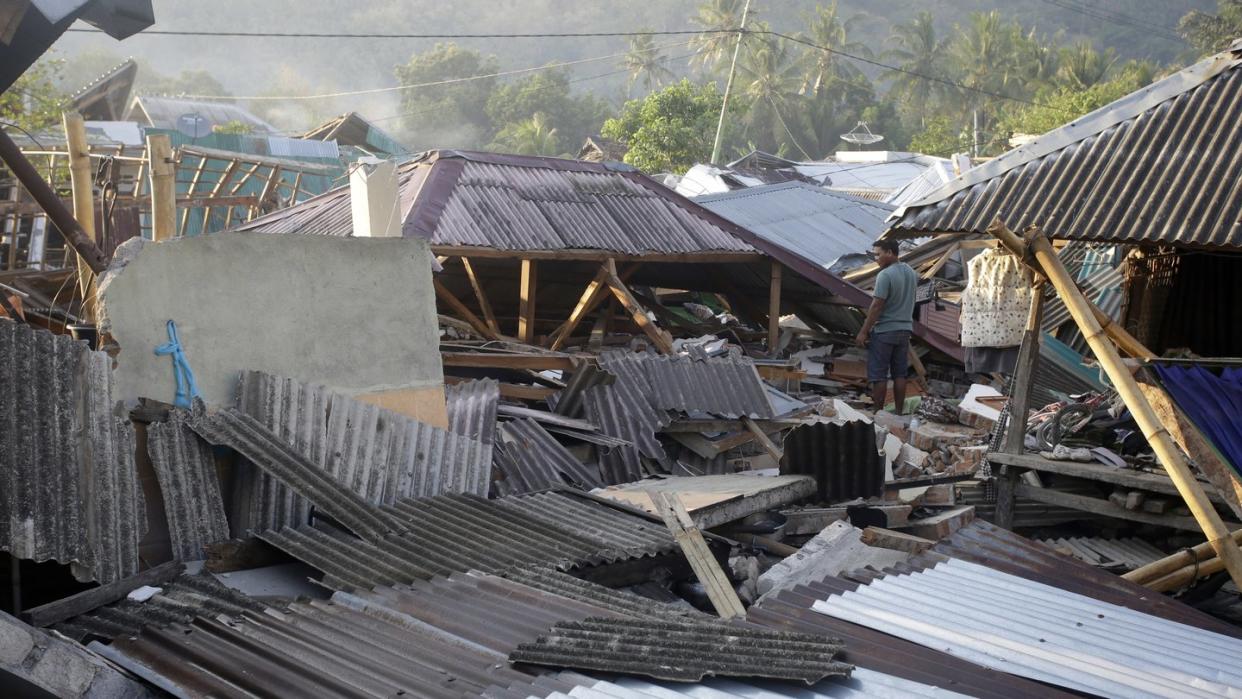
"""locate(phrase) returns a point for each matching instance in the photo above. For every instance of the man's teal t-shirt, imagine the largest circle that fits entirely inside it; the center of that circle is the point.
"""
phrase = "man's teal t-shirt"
(896, 284)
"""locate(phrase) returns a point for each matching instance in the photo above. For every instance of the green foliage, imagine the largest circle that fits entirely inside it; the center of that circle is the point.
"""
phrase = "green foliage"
(1083, 67)
(669, 130)
(533, 136)
(645, 63)
(940, 137)
(1209, 33)
(34, 102)
(460, 104)
(1067, 103)
(574, 117)
(235, 127)
(714, 48)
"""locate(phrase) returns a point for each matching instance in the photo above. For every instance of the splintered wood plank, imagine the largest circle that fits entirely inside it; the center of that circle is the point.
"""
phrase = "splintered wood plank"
(484, 304)
(719, 590)
(762, 437)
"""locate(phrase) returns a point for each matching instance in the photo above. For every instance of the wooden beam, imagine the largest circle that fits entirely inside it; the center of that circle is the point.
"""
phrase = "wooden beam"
(1126, 478)
(742, 303)
(462, 310)
(1103, 507)
(687, 535)
(82, 180)
(163, 187)
(1019, 408)
(584, 255)
(774, 308)
(96, 597)
(526, 311)
(1174, 462)
(514, 390)
(944, 259)
(494, 360)
(768, 445)
(662, 340)
(594, 292)
(1210, 461)
(216, 189)
(488, 316)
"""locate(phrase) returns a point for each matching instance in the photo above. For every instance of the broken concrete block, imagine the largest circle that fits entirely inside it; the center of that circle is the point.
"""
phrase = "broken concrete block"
(941, 525)
(942, 494)
(837, 549)
(897, 541)
(930, 436)
(974, 413)
(967, 459)
(914, 456)
(904, 469)
(60, 667)
(897, 425)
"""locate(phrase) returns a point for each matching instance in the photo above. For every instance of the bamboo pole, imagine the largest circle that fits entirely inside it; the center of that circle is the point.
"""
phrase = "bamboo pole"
(163, 187)
(1181, 560)
(83, 182)
(1157, 436)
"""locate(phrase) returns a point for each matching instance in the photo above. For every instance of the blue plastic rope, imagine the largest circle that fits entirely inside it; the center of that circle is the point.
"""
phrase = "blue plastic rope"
(186, 388)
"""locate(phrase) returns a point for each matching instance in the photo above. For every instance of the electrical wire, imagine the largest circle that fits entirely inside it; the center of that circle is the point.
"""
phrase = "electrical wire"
(1114, 16)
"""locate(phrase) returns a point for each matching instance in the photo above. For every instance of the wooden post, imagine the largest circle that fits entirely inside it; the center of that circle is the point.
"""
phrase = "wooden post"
(1157, 436)
(484, 304)
(774, 308)
(764, 441)
(1019, 407)
(163, 187)
(83, 182)
(661, 339)
(526, 310)
(594, 292)
(72, 231)
(719, 590)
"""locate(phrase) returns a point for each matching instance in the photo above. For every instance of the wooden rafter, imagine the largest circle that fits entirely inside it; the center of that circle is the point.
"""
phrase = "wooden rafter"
(219, 186)
(662, 340)
(198, 176)
(463, 311)
(596, 291)
(486, 306)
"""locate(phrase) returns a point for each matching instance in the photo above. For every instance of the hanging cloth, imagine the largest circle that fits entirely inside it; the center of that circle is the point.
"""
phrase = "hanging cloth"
(995, 302)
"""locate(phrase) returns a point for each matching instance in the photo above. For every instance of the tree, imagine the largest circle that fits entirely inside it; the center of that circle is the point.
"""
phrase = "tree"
(1039, 61)
(940, 138)
(917, 51)
(1209, 33)
(985, 61)
(669, 130)
(769, 83)
(1083, 67)
(645, 62)
(33, 102)
(1067, 103)
(235, 127)
(549, 92)
(825, 71)
(715, 45)
(533, 136)
(462, 105)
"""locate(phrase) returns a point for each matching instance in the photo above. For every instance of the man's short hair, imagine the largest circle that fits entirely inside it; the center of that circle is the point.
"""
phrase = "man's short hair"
(886, 245)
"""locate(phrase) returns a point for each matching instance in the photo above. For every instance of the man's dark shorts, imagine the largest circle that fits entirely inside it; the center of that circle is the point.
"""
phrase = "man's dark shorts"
(888, 352)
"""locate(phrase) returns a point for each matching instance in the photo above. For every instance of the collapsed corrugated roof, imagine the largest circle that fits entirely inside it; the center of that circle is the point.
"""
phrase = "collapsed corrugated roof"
(1159, 165)
(724, 386)
(812, 222)
(686, 651)
(68, 482)
(189, 486)
(531, 459)
(379, 455)
(1043, 632)
(527, 203)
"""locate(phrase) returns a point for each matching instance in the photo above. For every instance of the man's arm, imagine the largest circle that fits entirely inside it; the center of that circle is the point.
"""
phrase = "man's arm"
(873, 315)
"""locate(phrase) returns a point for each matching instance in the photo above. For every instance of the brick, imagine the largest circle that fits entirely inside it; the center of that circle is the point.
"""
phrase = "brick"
(941, 525)
(897, 541)
(930, 436)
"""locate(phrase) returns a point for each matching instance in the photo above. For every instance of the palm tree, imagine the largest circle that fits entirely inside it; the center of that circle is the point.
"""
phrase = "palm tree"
(645, 61)
(985, 62)
(769, 80)
(917, 51)
(824, 69)
(715, 45)
(1039, 61)
(1082, 66)
(533, 136)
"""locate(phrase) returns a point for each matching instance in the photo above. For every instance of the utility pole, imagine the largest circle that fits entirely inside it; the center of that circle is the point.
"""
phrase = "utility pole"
(974, 138)
(724, 104)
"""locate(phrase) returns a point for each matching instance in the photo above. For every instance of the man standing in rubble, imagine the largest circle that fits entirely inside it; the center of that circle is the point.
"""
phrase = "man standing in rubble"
(890, 319)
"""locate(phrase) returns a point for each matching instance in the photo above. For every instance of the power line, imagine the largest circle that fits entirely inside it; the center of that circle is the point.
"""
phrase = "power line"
(1114, 16)
(339, 35)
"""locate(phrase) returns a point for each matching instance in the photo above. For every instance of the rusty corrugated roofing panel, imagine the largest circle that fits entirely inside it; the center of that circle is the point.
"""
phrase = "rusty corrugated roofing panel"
(186, 471)
(380, 455)
(1157, 166)
(686, 651)
(531, 460)
(264, 449)
(68, 482)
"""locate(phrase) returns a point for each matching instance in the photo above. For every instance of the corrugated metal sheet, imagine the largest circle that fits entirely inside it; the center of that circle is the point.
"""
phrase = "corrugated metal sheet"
(1108, 553)
(189, 485)
(842, 458)
(455, 533)
(472, 409)
(285, 147)
(809, 221)
(380, 455)
(617, 601)
(620, 410)
(1156, 166)
(684, 651)
(1102, 286)
(68, 484)
(315, 649)
(1044, 633)
(1060, 371)
(178, 602)
(531, 459)
(265, 449)
(986, 544)
(860, 684)
(527, 203)
(569, 401)
(724, 386)
(163, 113)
